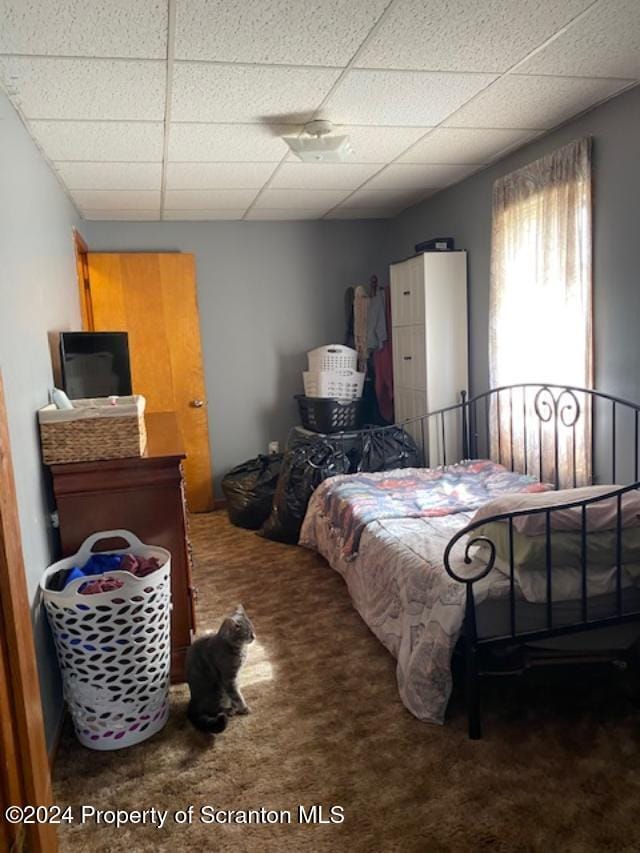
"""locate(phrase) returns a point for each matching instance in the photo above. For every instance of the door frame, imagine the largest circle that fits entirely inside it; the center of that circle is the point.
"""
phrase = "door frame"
(25, 777)
(82, 271)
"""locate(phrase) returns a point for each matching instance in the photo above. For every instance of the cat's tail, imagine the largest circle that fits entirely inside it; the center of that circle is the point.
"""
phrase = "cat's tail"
(212, 724)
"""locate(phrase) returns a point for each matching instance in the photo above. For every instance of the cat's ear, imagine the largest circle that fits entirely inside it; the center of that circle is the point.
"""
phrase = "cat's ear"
(240, 609)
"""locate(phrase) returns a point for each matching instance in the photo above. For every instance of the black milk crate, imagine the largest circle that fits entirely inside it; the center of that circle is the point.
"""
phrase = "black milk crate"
(327, 415)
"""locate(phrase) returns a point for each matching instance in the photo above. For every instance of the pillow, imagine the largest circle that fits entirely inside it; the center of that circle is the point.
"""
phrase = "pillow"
(601, 515)
(566, 581)
(530, 552)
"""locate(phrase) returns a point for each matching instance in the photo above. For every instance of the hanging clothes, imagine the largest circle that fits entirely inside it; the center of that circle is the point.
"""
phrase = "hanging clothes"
(349, 296)
(383, 366)
(370, 320)
(360, 326)
(376, 321)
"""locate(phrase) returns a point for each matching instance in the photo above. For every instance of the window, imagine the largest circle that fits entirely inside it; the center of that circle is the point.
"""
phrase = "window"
(541, 300)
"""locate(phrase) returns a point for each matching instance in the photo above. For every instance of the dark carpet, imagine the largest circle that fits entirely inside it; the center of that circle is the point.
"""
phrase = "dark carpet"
(557, 769)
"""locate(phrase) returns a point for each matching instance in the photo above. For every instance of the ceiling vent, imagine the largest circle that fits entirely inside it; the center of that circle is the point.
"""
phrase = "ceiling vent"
(317, 145)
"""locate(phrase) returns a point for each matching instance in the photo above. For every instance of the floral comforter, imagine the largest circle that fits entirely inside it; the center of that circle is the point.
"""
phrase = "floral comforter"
(350, 502)
(386, 535)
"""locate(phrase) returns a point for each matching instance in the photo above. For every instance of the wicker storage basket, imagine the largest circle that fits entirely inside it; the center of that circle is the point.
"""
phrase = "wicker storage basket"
(93, 429)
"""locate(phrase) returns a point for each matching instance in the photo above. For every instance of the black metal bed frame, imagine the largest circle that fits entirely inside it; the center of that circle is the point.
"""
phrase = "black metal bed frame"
(487, 425)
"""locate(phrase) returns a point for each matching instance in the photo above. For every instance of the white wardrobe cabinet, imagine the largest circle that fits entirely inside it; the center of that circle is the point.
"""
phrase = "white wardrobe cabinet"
(430, 356)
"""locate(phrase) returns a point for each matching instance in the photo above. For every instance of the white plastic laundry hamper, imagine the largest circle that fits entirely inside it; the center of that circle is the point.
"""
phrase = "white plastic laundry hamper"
(114, 648)
(342, 384)
(332, 357)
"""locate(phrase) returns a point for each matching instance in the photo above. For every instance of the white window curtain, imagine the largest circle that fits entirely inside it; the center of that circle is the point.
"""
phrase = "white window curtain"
(540, 324)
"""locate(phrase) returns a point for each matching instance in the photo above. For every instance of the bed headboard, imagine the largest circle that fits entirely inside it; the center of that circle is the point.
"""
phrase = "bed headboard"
(562, 434)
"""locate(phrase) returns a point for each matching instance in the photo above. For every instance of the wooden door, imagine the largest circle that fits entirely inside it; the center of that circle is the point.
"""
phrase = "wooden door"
(24, 764)
(153, 298)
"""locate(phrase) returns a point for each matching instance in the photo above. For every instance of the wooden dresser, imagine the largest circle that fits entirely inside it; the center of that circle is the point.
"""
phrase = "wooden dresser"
(144, 495)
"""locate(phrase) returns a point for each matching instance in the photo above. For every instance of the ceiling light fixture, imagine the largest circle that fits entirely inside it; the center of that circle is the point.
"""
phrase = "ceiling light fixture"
(319, 146)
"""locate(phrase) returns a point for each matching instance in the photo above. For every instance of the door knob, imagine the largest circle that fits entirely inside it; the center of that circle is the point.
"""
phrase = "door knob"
(197, 404)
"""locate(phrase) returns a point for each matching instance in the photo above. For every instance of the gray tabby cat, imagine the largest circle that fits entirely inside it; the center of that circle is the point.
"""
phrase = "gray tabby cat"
(212, 667)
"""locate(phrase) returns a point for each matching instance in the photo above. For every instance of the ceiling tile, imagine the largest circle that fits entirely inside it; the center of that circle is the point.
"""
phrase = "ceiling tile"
(384, 199)
(322, 176)
(99, 140)
(380, 144)
(299, 199)
(605, 42)
(467, 35)
(191, 176)
(208, 199)
(85, 88)
(246, 93)
(227, 142)
(266, 213)
(362, 213)
(533, 102)
(84, 28)
(117, 199)
(404, 176)
(281, 31)
(463, 145)
(409, 98)
(111, 215)
(209, 215)
(111, 176)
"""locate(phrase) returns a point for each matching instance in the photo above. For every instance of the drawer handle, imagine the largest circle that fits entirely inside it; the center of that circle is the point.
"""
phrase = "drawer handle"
(406, 293)
(407, 357)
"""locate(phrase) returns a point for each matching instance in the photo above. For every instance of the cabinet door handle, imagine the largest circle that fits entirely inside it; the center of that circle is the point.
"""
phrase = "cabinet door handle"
(406, 293)
(197, 404)
(407, 357)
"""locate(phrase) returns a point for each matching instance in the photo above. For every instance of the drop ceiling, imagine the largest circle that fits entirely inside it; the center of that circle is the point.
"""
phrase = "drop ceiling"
(175, 109)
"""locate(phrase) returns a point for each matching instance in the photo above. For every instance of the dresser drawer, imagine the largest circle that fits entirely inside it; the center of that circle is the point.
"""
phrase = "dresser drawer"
(409, 357)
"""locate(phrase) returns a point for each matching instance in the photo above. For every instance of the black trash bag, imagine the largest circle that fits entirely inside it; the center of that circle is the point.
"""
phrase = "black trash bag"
(249, 489)
(350, 447)
(305, 466)
(389, 448)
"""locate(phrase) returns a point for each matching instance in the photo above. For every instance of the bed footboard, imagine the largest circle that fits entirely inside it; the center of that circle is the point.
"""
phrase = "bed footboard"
(467, 563)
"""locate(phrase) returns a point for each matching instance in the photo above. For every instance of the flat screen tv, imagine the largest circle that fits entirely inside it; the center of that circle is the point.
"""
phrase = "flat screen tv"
(95, 364)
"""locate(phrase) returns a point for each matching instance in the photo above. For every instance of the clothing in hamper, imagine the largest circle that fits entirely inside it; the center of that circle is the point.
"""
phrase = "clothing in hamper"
(98, 564)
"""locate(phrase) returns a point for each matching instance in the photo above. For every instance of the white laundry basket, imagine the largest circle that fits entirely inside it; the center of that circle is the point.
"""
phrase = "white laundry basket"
(339, 384)
(332, 357)
(114, 648)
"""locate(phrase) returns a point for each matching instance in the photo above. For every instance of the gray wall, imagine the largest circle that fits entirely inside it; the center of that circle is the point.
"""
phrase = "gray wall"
(38, 294)
(267, 292)
(464, 212)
